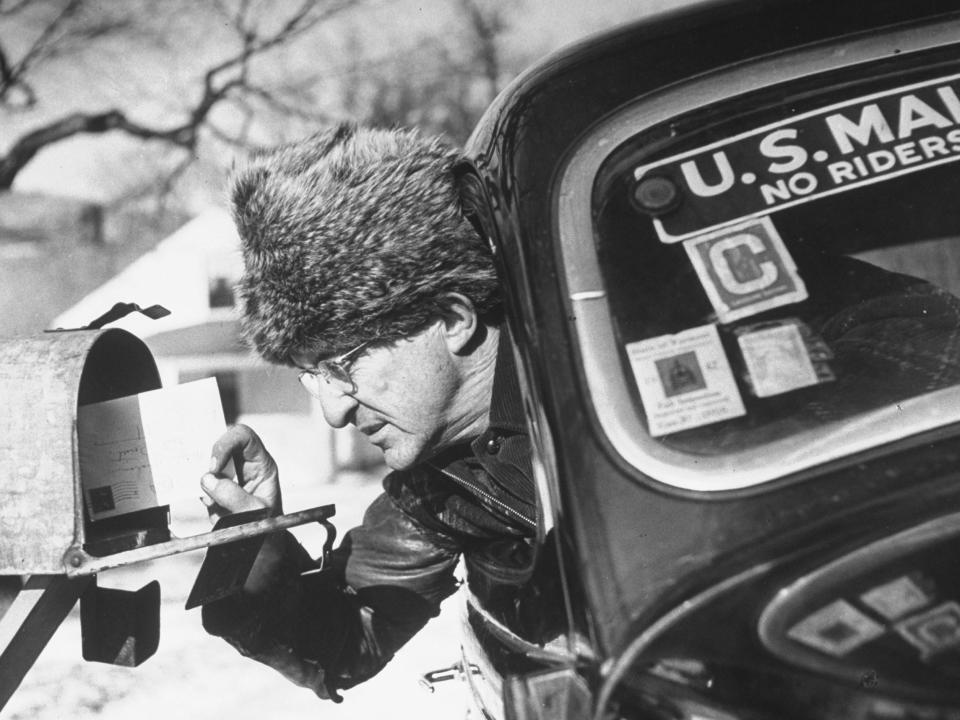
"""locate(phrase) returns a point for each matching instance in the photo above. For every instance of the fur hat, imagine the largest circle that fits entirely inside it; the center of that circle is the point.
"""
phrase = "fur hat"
(351, 235)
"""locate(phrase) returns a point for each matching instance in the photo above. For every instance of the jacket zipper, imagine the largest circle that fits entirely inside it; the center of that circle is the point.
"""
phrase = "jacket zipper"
(487, 496)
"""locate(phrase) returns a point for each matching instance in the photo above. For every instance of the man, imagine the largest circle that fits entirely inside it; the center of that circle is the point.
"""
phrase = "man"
(361, 269)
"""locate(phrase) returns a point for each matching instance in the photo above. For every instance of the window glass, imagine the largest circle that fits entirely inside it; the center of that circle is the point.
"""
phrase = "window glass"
(220, 293)
(789, 262)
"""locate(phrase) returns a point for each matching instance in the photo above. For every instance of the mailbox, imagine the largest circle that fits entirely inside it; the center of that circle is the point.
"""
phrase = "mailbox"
(50, 550)
(43, 379)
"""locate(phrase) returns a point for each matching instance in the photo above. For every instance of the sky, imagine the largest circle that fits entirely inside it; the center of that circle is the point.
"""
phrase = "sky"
(75, 167)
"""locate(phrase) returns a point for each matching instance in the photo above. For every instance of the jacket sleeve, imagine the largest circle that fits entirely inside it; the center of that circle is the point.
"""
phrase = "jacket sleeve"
(330, 629)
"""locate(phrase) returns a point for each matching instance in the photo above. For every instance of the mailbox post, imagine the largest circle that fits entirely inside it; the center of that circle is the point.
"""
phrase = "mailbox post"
(50, 550)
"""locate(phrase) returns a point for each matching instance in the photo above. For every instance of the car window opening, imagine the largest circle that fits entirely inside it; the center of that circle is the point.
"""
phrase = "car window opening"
(780, 273)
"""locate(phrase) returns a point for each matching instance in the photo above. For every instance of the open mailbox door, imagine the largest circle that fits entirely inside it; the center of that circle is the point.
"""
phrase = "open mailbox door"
(50, 548)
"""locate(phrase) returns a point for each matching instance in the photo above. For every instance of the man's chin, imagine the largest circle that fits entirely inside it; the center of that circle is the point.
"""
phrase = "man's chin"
(400, 457)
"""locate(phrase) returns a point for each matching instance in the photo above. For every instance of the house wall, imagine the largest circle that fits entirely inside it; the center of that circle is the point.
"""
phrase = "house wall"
(54, 250)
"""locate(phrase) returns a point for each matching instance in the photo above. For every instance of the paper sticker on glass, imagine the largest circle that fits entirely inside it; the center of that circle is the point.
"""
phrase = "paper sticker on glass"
(685, 380)
(745, 269)
(896, 598)
(777, 360)
(837, 629)
(934, 631)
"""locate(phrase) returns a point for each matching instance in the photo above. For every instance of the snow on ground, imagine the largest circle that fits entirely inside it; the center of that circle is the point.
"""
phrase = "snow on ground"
(197, 677)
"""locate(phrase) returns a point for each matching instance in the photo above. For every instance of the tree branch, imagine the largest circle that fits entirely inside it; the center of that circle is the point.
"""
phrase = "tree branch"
(45, 41)
(6, 72)
(60, 35)
(286, 107)
(227, 78)
(12, 8)
(26, 148)
(486, 25)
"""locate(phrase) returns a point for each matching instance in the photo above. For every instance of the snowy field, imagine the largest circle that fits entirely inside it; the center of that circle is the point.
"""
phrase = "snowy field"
(196, 677)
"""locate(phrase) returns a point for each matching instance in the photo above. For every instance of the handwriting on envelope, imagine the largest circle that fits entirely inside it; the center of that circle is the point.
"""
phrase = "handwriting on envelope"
(149, 449)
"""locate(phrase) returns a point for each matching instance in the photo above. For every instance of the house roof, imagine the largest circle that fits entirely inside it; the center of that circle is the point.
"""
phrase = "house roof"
(176, 274)
(209, 338)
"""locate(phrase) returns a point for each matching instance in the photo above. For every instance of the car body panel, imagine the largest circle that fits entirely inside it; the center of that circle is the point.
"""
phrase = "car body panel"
(653, 547)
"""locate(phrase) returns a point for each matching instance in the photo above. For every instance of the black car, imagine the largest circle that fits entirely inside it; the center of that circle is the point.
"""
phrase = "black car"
(730, 237)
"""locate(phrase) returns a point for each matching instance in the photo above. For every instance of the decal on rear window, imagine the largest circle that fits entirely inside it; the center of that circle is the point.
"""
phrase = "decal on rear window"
(745, 269)
(685, 380)
(934, 631)
(783, 355)
(837, 629)
(896, 598)
(836, 148)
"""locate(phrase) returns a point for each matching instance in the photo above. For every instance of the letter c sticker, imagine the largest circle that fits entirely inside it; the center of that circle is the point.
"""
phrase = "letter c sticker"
(721, 264)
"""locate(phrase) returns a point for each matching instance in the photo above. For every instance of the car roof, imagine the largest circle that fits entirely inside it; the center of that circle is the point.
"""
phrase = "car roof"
(547, 107)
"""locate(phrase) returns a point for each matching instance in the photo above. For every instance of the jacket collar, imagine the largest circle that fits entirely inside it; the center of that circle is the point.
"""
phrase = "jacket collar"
(506, 404)
(506, 408)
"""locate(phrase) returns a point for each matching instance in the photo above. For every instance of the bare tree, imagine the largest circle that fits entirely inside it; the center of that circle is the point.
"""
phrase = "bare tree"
(486, 22)
(441, 84)
(69, 25)
(64, 32)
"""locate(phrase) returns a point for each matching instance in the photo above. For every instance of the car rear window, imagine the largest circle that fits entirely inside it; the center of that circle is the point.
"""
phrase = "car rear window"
(781, 274)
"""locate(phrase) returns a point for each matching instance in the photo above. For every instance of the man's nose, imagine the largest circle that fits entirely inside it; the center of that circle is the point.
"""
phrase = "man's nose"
(337, 406)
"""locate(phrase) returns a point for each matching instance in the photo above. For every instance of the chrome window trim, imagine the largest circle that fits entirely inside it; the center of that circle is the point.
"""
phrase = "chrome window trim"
(591, 324)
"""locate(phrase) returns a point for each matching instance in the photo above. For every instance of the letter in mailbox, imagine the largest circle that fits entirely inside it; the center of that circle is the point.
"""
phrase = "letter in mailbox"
(146, 450)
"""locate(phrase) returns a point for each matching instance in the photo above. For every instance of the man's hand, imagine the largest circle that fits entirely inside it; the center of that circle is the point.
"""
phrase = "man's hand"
(257, 484)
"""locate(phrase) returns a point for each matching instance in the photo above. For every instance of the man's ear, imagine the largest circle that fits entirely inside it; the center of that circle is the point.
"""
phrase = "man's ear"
(460, 322)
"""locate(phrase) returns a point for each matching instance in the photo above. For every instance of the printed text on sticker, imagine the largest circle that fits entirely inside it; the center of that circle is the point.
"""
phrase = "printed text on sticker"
(819, 153)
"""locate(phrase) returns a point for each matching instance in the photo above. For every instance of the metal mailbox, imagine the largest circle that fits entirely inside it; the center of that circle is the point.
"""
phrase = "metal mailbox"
(50, 550)
(43, 379)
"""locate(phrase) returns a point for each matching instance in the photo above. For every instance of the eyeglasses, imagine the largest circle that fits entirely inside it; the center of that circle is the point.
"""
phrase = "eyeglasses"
(334, 372)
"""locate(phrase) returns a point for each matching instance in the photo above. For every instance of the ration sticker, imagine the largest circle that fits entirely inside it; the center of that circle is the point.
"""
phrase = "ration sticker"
(837, 629)
(933, 631)
(896, 598)
(777, 360)
(745, 269)
(685, 380)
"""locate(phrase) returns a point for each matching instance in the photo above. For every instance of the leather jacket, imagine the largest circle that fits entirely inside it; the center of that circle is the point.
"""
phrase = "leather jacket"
(331, 628)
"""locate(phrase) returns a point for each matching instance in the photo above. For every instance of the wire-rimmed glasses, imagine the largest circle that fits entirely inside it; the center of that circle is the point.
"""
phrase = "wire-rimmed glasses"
(334, 372)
